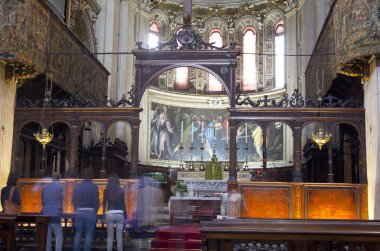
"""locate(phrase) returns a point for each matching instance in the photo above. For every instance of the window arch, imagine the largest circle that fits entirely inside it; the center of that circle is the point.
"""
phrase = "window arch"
(182, 78)
(249, 71)
(279, 48)
(213, 84)
(154, 34)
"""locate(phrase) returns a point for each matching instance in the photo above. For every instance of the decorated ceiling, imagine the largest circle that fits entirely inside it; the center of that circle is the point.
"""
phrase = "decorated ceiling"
(227, 6)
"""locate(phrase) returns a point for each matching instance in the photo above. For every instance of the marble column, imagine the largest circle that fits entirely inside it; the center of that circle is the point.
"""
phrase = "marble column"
(372, 117)
(8, 88)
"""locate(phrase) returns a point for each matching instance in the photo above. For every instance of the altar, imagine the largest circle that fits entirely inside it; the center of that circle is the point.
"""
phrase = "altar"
(193, 209)
(195, 175)
(199, 188)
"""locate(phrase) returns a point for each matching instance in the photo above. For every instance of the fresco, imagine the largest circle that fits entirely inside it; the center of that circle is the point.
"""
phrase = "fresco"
(171, 125)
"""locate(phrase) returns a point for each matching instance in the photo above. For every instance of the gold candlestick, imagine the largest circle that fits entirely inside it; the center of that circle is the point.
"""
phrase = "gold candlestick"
(245, 165)
(202, 165)
(191, 166)
(181, 165)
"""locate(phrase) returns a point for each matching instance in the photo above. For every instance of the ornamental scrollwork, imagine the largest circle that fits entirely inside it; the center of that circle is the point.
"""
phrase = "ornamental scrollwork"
(296, 100)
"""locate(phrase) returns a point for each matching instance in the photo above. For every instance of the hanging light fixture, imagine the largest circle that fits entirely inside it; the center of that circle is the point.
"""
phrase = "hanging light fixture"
(43, 135)
(321, 136)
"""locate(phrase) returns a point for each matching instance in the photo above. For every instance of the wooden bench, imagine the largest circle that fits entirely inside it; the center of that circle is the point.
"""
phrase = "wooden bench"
(290, 234)
(7, 233)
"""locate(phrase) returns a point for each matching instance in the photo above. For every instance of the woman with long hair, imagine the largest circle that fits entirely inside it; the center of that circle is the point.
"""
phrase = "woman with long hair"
(114, 211)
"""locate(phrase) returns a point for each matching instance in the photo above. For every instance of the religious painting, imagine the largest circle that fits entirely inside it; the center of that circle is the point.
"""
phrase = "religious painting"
(196, 133)
(190, 132)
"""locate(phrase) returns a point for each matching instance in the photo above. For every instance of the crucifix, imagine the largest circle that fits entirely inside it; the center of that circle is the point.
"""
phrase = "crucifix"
(187, 13)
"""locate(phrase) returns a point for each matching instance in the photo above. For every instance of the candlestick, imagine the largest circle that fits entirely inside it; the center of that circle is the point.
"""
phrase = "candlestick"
(228, 128)
(181, 165)
(181, 131)
(246, 133)
(192, 131)
(191, 166)
(202, 164)
(202, 132)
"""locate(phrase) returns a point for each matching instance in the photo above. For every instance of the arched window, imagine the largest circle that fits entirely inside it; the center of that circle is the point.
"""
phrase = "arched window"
(213, 84)
(182, 78)
(279, 48)
(154, 34)
(249, 72)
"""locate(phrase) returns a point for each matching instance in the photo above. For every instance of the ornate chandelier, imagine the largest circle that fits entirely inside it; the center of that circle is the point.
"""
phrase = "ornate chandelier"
(321, 137)
(43, 135)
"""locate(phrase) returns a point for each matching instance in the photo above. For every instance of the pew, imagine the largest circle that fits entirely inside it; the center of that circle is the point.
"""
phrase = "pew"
(290, 234)
(8, 238)
(7, 233)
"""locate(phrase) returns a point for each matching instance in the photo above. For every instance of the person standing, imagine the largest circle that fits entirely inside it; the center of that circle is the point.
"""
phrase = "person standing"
(10, 196)
(52, 205)
(114, 205)
(86, 205)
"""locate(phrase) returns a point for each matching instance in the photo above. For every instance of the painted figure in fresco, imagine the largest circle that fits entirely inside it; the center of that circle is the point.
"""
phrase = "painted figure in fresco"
(165, 128)
(154, 132)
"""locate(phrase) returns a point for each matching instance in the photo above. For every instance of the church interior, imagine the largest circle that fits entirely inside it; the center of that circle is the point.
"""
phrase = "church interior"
(233, 125)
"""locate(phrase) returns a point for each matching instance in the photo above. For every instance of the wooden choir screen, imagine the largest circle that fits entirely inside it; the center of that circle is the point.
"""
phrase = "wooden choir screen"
(303, 200)
(31, 189)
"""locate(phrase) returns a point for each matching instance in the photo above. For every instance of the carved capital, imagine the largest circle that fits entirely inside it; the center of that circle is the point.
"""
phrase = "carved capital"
(233, 123)
(18, 71)
(135, 124)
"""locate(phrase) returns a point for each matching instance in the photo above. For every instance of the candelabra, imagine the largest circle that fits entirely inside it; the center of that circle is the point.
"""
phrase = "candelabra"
(181, 165)
(245, 165)
(191, 166)
(202, 164)
(226, 165)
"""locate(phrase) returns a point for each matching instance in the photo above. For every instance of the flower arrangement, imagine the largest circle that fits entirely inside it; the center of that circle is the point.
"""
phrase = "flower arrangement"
(178, 187)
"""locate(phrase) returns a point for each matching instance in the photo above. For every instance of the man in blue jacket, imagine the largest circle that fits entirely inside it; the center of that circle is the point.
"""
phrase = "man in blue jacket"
(86, 205)
(52, 205)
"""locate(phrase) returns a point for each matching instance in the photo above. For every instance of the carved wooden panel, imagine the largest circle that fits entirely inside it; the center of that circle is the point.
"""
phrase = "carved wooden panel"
(331, 203)
(303, 200)
(31, 189)
(268, 201)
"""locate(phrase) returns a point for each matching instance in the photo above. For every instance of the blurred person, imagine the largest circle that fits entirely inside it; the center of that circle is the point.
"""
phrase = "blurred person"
(150, 199)
(234, 204)
(10, 196)
(52, 205)
(86, 205)
(114, 205)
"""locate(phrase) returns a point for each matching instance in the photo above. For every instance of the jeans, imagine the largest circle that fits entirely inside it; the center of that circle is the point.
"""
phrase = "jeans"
(85, 221)
(118, 219)
(55, 228)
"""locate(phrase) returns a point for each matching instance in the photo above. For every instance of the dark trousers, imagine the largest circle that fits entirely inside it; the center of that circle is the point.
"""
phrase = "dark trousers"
(85, 221)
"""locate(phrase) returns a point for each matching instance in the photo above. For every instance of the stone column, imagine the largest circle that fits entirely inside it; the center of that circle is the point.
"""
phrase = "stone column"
(7, 100)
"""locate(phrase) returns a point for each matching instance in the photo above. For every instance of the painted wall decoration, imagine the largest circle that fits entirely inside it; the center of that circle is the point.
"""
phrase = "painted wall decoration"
(171, 125)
